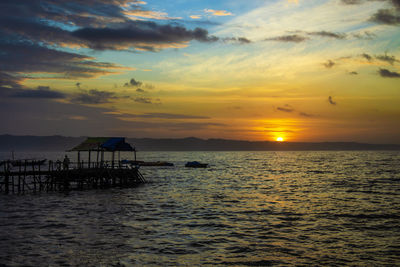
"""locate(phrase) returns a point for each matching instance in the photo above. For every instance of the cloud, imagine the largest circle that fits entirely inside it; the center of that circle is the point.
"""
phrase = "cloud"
(140, 90)
(367, 56)
(94, 96)
(144, 35)
(147, 100)
(366, 35)
(307, 115)
(116, 32)
(36, 36)
(218, 12)
(164, 116)
(40, 92)
(295, 38)
(351, 2)
(240, 40)
(289, 109)
(24, 57)
(286, 108)
(329, 64)
(390, 59)
(9, 80)
(195, 16)
(330, 100)
(133, 83)
(385, 73)
(333, 35)
(386, 16)
(385, 58)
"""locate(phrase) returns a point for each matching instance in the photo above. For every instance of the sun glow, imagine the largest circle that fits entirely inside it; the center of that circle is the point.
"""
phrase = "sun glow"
(279, 139)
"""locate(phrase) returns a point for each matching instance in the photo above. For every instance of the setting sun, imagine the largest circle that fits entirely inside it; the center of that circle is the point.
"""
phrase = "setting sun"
(279, 139)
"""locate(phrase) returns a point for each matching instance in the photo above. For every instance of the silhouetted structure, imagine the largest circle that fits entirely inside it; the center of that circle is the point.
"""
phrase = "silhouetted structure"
(19, 176)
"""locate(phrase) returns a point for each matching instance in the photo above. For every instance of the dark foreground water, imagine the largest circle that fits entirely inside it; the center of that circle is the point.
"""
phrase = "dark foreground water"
(247, 209)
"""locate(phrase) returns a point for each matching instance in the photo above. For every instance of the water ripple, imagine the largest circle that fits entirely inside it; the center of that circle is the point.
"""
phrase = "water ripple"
(247, 209)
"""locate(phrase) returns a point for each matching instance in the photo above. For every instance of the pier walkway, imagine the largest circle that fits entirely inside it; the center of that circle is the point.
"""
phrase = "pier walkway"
(19, 177)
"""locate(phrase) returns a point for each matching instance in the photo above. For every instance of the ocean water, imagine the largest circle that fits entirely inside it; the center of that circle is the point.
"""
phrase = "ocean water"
(246, 209)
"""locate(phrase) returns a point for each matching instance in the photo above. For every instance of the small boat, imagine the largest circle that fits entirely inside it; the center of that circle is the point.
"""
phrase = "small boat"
(196, 164)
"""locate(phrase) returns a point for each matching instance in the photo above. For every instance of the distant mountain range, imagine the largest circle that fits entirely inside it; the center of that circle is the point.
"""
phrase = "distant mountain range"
(62, 143)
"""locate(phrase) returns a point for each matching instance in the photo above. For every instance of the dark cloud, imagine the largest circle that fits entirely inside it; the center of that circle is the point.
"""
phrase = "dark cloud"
(164, 116)
(329, 64)
(351, 2)
(94, 13)
(145, 35)
(133, 83)
(330, 100)
(24, 57)
(46, 117)
(9, 80)
(366, 35)
(200, 22)
(303, 114)
(385, 58)
(39, 93)
(94, 96)
(143, 100)
(285, 109)
(367, 56)
(386, 16)
(240, 40)
(35, 36)
(385, 73)
(36, 31)
(333, 35)
(390, 59)
(289, 38)
(24, 117)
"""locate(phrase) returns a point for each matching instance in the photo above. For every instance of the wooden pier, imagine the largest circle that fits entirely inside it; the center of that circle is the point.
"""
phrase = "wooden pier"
(20, 176)
(34, 176)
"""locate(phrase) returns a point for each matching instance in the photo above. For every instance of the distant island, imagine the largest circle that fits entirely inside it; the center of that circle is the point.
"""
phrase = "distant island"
(62, 143)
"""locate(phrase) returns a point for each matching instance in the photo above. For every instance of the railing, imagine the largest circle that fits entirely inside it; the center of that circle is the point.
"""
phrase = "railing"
(107, 164)
(34, 165)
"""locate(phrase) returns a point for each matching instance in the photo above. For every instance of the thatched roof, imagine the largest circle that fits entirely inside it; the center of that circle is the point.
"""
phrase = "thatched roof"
(103, 143)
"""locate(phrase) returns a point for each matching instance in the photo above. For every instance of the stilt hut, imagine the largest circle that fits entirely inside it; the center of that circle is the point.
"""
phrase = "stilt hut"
(100, 145)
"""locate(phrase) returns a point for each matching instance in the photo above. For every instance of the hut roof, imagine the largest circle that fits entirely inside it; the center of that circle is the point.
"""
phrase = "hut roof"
(104, 143)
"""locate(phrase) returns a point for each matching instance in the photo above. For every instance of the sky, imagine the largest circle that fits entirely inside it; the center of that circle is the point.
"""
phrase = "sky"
(300, 70)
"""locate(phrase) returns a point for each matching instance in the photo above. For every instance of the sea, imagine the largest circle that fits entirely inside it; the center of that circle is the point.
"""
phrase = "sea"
(313, 208)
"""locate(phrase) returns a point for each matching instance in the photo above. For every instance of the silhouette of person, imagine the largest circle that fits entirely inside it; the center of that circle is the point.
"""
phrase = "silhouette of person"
(66, 162)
